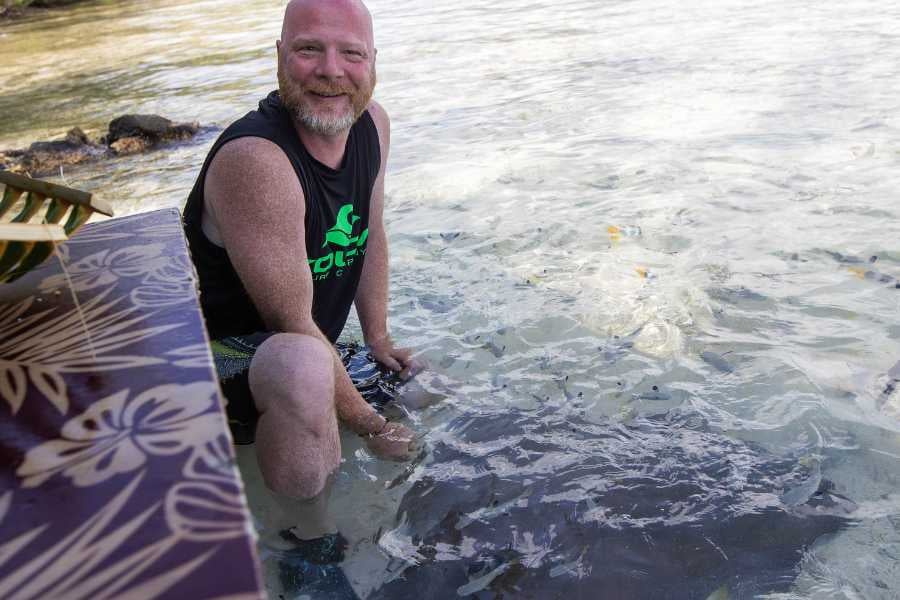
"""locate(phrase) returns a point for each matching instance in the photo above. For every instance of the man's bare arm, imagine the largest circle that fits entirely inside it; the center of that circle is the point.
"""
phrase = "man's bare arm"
(372, 295)
(259, 208)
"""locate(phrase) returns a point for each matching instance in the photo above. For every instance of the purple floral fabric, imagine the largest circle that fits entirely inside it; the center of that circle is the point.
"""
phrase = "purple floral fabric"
(117, 475)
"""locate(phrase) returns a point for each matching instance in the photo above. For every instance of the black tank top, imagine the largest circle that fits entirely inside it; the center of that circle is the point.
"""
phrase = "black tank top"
(337, 224)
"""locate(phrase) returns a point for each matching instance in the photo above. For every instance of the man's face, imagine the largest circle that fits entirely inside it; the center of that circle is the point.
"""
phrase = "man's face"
(326, 65)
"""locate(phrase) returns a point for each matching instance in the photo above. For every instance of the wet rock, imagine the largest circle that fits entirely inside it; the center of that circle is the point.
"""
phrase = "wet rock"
(14, 9)
(129, 134)
(48, 157)
(130, 145)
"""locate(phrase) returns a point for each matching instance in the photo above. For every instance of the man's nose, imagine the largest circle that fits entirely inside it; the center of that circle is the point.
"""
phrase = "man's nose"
(329, 65)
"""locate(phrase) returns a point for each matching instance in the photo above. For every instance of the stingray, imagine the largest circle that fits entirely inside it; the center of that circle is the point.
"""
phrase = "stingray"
(534, 504)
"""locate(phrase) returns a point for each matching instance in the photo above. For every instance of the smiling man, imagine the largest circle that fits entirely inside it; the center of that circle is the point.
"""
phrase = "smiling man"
(285, 228)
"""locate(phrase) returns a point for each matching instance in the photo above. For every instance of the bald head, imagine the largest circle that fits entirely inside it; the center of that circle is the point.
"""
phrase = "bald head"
(326, 63)
(349, 14)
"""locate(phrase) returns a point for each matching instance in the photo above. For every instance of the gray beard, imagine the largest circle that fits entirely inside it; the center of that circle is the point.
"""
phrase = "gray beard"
(324, 126)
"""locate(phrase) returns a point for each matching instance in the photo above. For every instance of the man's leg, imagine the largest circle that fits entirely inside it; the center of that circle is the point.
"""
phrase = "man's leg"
(297, 445)
(297, 441)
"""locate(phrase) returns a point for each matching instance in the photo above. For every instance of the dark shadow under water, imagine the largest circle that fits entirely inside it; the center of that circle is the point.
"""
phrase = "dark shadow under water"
(545, 504)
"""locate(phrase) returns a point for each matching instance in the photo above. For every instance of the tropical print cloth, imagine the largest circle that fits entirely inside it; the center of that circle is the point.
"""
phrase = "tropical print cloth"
(117, 475)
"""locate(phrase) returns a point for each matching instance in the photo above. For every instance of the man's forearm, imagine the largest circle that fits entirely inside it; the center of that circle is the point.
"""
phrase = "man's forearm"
(372, 294)
(352, 409)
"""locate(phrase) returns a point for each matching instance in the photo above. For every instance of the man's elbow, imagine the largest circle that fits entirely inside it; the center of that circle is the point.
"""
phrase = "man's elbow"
(288, 323)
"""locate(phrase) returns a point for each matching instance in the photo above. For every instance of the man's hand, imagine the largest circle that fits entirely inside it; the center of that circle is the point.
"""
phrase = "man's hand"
(393, 442)
(399, 360)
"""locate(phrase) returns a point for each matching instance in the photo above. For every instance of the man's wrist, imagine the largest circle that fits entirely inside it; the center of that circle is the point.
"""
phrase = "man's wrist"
(374, 339)
(371, 425)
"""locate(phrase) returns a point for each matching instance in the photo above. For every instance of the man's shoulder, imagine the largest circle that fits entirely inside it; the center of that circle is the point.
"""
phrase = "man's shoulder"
(378, 114)
(252, 163)
(382, 122)
(250, 147)
(251, 153)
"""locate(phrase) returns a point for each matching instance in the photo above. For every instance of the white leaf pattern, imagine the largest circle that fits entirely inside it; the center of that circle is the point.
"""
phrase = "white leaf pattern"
(148, 532)
(116, 434)
(12, 385)
(51, 385)
(205, 512)
(57, 344)
(196, 356)
(108, 266)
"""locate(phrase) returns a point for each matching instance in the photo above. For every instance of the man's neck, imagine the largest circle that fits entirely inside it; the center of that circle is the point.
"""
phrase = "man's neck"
(327, 149)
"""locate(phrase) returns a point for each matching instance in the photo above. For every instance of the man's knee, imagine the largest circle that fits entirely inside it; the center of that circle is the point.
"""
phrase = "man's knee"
(295, 371)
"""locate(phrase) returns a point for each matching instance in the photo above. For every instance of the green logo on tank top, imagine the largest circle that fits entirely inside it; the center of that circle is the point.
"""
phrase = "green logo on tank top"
(345, 247)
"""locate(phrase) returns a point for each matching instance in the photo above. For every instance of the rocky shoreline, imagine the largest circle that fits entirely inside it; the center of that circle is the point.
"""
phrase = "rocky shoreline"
(14, 9)
(128, 134)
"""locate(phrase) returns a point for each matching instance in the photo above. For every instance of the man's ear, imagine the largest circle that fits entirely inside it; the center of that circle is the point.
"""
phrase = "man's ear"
(278, 46)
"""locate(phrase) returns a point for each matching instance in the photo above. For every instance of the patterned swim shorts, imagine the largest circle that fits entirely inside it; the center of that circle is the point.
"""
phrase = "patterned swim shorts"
(232, 355)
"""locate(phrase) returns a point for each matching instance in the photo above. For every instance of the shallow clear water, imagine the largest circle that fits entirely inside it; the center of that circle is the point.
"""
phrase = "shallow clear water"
(740, 151)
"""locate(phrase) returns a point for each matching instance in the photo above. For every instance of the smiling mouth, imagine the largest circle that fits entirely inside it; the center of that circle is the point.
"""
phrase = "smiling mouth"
(326, 95)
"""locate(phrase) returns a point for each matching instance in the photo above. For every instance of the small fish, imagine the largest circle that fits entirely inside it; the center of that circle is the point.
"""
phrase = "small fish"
(894, 372)
(843, 258)
(891, 386)
(720, 594)
(488, 513)
(494, 349)
(480, 583)
(625, 230)
(569, 566)
(803, 492)
(614, 234)
(717, 361)
(869, 274)
(617, 233)
(626, 413)
(655, 394)
(860, 272)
